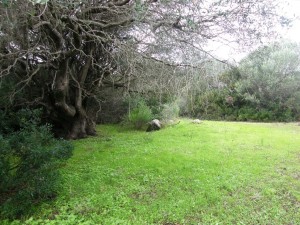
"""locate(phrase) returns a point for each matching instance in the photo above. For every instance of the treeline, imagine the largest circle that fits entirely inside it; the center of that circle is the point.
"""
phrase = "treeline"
(264, 87)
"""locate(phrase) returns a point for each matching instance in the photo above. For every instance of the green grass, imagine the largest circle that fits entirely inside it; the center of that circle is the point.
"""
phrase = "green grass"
(209, 173)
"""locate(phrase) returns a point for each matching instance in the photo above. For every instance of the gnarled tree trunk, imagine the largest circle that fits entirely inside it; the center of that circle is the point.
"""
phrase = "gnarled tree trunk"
(63, 55)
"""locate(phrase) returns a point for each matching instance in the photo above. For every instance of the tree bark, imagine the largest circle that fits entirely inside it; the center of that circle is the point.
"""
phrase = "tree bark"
(69, 106)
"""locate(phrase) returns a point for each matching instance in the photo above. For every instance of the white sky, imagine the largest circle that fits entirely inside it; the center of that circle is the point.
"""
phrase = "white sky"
(289, 7)
(292, 7)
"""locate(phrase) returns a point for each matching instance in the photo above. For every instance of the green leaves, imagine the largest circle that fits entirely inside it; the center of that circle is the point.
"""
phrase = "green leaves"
(5, 2)
(139, 114)
(29, 162)
(140, 9)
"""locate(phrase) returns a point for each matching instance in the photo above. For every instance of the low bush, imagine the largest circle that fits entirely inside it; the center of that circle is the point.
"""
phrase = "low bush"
(139, 115)
(29, 160)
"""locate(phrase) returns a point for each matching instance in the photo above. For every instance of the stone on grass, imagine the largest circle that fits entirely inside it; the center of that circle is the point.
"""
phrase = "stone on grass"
(197, 121)
(154, 125)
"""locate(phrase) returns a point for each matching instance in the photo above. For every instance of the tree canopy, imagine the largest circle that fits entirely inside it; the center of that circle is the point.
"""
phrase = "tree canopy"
(59, 55)
(270, 76)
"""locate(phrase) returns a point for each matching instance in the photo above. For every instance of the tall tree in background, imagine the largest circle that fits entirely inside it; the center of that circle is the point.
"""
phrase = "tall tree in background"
(270, 77)
(59, 54)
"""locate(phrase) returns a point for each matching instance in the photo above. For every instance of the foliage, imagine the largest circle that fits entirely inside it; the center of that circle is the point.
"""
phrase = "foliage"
(139, 114)
(270, 74)
(269, 80)
(170, 111)
(264, 87)
(62, 54)
(212, 173)
(6, 87)
(29, 162)
(59, 54)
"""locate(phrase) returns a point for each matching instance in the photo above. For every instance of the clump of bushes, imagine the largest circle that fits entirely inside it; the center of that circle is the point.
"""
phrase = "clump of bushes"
(138, 115)
(29, 161)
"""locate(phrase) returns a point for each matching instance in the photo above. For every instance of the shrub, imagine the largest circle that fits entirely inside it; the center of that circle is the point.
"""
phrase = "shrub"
(29, 162)
(139, 115)
(170, 111)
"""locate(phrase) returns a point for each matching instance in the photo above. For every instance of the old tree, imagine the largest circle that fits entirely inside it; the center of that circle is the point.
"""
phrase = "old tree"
(58, 54)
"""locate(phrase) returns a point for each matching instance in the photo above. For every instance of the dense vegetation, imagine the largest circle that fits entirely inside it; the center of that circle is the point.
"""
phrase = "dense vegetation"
(264, 86)
(208, 173)
(29, 161)
(73, 57)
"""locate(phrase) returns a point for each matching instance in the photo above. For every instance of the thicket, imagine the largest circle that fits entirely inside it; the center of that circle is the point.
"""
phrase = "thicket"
(139, 113)
(233, 103)
(29, 161)
(263, 87)
(142, 109)
(220, 106)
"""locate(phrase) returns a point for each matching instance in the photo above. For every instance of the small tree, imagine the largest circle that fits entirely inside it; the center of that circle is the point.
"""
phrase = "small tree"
(270, 78)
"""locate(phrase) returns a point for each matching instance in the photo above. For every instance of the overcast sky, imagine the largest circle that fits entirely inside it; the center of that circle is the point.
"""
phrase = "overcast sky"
(293, 7)
(289, 8)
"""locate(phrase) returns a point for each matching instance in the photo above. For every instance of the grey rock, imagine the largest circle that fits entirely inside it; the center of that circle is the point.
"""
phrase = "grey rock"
(197, 121)
(154, 125)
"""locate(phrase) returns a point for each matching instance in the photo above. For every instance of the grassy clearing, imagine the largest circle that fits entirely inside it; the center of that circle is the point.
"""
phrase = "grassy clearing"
(209, 173)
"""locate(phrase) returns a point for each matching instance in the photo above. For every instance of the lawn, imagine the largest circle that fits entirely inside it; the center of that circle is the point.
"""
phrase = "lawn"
(208, 173)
